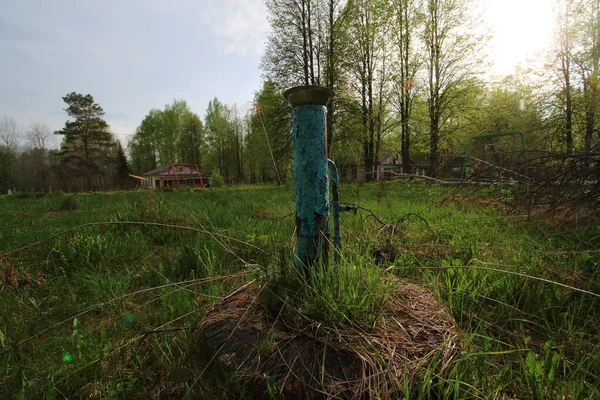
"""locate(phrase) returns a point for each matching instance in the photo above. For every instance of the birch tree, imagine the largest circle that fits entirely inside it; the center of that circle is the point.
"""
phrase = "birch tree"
(408, 18)
(453, 55)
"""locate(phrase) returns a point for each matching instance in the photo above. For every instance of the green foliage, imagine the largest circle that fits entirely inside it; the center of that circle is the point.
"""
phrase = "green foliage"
(196, 261)
(69, 204)
(123, 170)
(330, 296)
(81, 251)
(521, 338)
(30, 195)
(190, 142)
(172, 135)
(144, 145)
(216, 179)
(269, 140)
(540, 375)
(86, 138)
(224, 135)
(7, 161)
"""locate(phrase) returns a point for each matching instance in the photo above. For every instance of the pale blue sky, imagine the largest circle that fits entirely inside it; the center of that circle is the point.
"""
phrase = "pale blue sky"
(131, 55)
(134, 55)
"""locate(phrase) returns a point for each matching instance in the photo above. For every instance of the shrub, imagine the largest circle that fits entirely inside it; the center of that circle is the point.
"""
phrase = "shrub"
(69, 204)
(30, 195)
(216, 180)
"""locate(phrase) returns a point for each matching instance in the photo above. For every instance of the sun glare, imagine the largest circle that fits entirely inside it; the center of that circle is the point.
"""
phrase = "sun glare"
(521, 30)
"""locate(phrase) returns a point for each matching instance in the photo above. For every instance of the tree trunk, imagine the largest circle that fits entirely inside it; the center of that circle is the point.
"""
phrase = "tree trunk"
(330, 76)
(589, 115)
(239, 158)
(433, 147)
(568, 114)
(304, 44)
(367, 144)
(566, 73)
(371, 119)
(405, 148)
(434, 89)
(406, 88)
(310, 43)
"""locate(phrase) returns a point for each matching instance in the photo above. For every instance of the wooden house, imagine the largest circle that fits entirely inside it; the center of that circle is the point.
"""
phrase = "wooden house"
(174, 176)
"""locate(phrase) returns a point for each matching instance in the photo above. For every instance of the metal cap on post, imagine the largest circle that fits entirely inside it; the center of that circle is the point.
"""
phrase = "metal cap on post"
(308, 95)
(311, 176)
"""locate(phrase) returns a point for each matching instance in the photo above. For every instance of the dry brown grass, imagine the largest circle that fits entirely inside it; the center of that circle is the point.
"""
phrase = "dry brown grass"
(350, 361)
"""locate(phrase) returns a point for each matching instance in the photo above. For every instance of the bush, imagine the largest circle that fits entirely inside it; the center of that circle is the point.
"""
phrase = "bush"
(69, 204)
(30, 195)
(216, 180)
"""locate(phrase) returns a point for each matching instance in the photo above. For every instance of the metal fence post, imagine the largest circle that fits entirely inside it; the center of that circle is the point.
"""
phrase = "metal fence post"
(311, 177)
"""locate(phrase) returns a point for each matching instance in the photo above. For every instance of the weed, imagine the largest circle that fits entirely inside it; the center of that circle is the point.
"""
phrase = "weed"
(216, 180)
(69, 204)
(30, 195)
(351, 293)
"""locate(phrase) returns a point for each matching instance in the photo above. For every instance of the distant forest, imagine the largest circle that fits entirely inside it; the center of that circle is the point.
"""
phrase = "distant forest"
(411, 82)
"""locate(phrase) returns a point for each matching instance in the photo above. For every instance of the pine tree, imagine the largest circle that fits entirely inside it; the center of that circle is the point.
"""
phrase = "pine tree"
(122, 165)
(87, 141)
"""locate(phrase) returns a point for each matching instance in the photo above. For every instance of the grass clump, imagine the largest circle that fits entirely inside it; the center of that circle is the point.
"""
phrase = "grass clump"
(69, 204)
(30, 195)
(196, 261)
(351, 293)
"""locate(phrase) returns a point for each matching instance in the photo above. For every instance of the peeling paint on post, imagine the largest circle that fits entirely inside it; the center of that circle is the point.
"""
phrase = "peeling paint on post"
(311, 177)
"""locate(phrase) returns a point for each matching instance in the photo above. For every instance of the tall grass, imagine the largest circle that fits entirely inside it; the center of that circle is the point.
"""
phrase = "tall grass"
(352, 292)
(111, 311)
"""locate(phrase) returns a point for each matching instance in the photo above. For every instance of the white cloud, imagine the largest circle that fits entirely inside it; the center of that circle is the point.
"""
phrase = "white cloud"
(241, 25)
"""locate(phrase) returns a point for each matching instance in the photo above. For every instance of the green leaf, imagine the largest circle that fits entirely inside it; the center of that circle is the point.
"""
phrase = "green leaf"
(534, 367)
(553, 367)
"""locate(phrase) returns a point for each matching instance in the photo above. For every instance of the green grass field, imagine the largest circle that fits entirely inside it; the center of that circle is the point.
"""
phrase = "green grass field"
(111, 310)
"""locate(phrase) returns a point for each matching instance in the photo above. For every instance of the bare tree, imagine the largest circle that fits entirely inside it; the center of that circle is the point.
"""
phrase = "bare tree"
(38, 135)
(362, 64)
(336, 45)
(9, 132)
(368, 67)
(293, 50)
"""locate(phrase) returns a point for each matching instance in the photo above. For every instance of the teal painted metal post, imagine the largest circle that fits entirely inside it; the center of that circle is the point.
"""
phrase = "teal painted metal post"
(311, 177)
